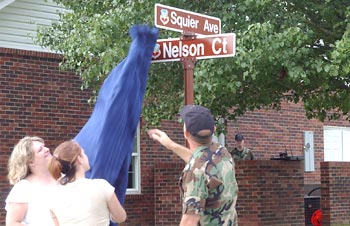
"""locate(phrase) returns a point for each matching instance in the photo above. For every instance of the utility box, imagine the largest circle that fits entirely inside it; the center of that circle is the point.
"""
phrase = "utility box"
(312, 203)
(309, 152)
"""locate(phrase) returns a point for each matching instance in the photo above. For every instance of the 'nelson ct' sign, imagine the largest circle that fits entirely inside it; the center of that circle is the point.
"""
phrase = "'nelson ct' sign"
(209, 46)
(190, 47)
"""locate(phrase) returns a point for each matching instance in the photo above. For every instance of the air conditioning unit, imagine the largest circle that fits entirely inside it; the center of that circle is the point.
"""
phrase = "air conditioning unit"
(311, 204)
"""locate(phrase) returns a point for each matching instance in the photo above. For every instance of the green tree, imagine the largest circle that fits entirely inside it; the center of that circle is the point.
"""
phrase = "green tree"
(288, 50)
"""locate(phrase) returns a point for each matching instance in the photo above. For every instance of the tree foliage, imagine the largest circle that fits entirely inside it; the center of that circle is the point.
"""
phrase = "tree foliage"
(288, 50)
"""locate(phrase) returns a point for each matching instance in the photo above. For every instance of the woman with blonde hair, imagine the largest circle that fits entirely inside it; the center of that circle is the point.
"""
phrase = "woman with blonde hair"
(81, 201)
(34, 188)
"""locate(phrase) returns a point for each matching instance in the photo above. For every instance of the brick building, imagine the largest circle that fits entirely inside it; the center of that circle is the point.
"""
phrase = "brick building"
(39, 99)
(36, 98)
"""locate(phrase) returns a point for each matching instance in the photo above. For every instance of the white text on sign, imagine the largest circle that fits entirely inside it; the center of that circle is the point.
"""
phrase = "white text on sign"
(188, 22)
(175, 19)
(211, 46)
(181, 49)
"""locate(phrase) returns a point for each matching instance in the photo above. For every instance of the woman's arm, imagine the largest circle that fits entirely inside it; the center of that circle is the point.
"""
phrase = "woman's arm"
(54, 218)
(15, 213)
(116, 210)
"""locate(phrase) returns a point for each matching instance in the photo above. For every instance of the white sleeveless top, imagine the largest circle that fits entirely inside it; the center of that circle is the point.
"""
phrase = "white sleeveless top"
(83, 202)
(38, 198)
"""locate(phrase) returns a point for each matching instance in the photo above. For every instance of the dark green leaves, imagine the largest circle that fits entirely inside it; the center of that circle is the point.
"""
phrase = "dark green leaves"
(286, 51)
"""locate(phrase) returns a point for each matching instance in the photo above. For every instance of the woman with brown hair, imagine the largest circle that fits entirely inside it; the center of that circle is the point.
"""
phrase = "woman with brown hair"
(81, 201)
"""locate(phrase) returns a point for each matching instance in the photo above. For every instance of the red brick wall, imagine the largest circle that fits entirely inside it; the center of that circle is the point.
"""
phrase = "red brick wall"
(168, 205)
(156, 160)
(335, 193)
(270, 192)
(269, 132)
(36, 98)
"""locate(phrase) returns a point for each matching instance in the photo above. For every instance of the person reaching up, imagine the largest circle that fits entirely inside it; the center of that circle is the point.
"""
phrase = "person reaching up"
(81, 201)
(208, 183)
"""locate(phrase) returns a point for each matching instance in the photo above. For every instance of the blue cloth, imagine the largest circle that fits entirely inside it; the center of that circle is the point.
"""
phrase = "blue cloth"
(108, 136)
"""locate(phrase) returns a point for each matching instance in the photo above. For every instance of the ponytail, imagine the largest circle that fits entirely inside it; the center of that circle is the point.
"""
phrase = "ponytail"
(55, 168)
(62, 165)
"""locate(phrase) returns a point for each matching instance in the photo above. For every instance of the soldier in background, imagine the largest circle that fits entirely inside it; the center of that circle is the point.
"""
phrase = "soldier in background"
(240, 152)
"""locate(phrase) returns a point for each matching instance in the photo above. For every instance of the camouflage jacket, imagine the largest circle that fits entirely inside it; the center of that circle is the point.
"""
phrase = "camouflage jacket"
(245, 154)
(209, 188)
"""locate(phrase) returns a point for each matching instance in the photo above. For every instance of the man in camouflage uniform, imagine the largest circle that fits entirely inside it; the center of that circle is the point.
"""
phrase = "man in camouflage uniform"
(240, 152)
(208, 183)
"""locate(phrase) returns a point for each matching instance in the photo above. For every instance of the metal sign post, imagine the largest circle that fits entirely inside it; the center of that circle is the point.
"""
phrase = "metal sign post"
(209, 43)
(188, 66)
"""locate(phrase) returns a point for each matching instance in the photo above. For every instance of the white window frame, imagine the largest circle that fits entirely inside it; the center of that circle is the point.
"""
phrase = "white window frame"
(336, 142)
(136, 168)
(220, 139)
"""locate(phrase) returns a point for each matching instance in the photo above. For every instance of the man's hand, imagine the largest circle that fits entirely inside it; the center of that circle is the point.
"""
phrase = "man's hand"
(160, 136)
(189, 220)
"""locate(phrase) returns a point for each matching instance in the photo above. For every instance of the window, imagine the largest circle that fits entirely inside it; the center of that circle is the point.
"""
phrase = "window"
(336, 143)
(134, 178)
(220, 139)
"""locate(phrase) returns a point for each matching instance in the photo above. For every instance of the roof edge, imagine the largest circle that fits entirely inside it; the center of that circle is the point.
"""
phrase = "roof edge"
(5, 3)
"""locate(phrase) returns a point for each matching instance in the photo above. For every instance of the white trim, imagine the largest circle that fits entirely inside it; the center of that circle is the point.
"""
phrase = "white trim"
(137, 189)
(22, 46)
(5, 3)
(336, 143)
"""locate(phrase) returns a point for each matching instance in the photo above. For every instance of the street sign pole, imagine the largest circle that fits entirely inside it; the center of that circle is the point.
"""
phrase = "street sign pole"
(209, 43)
(188, 66)
(190, 24)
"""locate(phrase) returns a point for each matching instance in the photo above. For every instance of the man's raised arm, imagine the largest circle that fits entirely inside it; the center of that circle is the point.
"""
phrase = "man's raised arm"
(183, 152)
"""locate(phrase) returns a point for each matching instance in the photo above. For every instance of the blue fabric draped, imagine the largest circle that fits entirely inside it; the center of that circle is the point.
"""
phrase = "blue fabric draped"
(108, 135)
